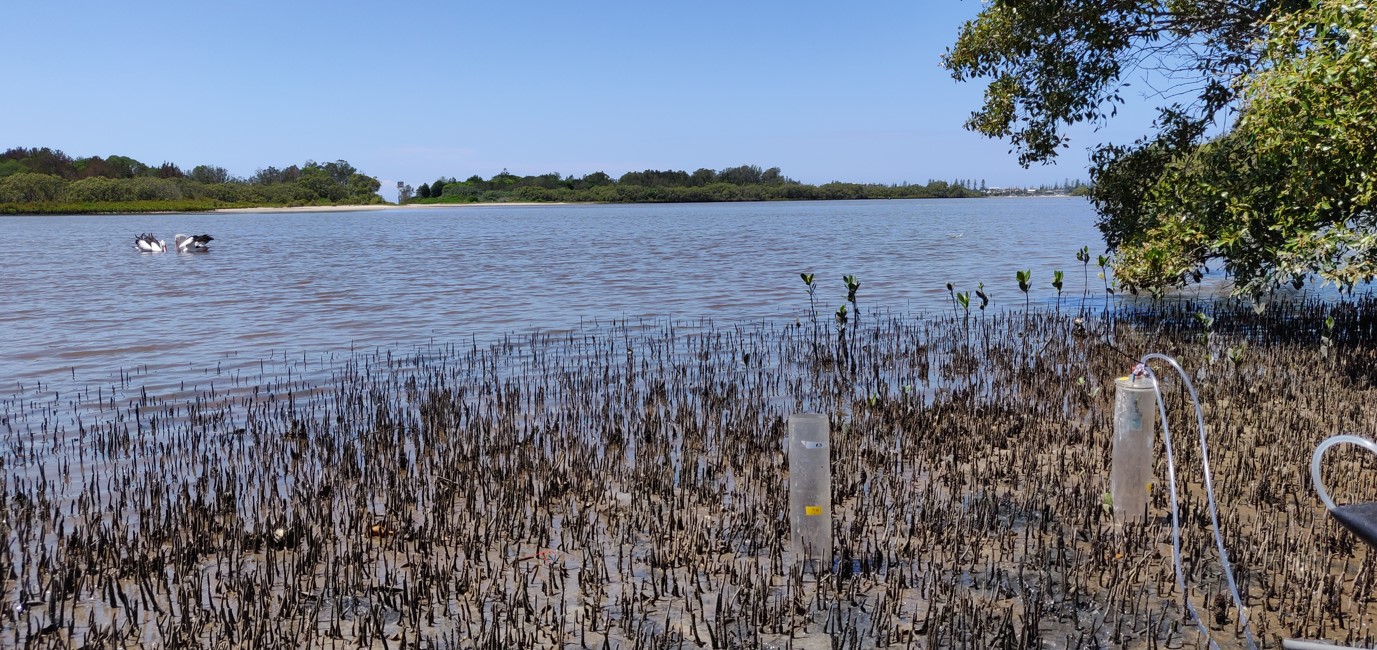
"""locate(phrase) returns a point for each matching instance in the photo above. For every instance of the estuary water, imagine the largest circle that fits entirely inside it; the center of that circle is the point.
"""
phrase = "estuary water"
(82, 304)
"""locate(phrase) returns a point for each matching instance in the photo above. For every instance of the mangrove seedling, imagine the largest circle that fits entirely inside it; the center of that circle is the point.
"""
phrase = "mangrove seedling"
(1327, 338)
(1103, 262)
(842, 353)
(1090, 390)
(1023, 279)
(984, 302)
(841, 326)
(1056, 284)
(1083, 256)
(964, 298)
(951, 291)
(1236, 352)
(852, 284)
(1207, 336)
(812, 289)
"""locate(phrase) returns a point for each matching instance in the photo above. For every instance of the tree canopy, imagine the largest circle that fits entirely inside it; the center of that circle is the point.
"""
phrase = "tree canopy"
(30, 176)
(1264, 152)
(742, 183)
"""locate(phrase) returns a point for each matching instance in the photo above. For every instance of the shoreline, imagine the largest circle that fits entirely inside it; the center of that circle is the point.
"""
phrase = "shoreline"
(375, 207)
(119, 211)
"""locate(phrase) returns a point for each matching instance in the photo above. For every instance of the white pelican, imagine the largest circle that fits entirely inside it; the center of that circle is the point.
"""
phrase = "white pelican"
(146, 243)
(192, 243)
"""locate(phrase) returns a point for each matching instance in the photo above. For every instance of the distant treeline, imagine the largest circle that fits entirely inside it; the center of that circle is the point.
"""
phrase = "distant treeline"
(744, 183)
(1067, 187)
(49, 181)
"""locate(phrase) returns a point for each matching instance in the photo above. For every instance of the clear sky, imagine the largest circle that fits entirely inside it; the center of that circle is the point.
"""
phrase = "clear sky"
(418, 90)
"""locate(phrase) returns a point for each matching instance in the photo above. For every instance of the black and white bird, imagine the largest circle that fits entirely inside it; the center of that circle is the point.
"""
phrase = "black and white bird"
(146, 243)
(193, 243)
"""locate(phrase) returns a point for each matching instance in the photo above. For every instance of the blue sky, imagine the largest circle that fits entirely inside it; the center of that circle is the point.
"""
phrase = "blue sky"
(427, 89)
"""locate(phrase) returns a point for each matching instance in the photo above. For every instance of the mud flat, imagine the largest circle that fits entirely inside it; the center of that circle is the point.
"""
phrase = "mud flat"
(626, 487)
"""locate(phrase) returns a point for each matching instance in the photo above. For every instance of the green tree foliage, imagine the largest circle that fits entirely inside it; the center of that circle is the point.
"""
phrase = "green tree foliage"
(273, 175)
(672, 186)
(596, 179)
(155, 189)
(9, 167)
(1051, 63)
(1290, 191)
(209, 174)
(339, 171)
(703, 176)
(1283, 192)
(126, 167)
(320, 182)
(361, 186)
(30, 187)
(96, 184)
(43, 161)
(655, 178)
(99, 189)
(423, 191)
(743, 175)
(504, 180)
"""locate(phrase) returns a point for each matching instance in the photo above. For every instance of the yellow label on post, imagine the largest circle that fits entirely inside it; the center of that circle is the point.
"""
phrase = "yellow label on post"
(812, 511)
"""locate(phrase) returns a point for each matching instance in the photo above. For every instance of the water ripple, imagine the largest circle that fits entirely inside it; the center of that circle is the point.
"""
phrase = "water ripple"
(322, 282)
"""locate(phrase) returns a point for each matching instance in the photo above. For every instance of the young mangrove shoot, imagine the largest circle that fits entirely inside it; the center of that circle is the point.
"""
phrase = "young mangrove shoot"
(1083, 256)
(852, 284)
(1023, 285)
(1056, 284)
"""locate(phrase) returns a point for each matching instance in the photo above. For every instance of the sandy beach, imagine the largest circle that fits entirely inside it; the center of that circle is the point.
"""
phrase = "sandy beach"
(376, 207)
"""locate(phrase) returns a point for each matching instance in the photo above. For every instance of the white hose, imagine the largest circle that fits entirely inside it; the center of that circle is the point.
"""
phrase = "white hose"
(1209, 493)
(1319, 453)
(1298, 644)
